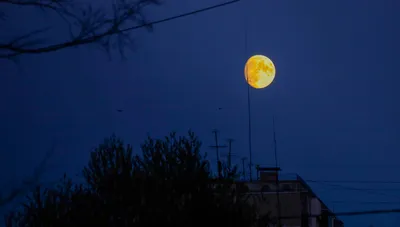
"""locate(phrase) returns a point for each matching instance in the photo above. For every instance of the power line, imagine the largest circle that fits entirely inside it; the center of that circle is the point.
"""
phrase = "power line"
(243, 167)
(276, 166)
(180, 16)
(375, 192)
(355, 166)
(230, 153)
(111, 32)
(355, 181)
(364, 202)
(351, 213)
(328, 182)
(356, 188)
(217, 147)
(376, 189)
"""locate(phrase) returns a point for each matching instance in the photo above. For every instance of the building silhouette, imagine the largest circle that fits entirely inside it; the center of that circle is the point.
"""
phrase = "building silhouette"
(297, 206)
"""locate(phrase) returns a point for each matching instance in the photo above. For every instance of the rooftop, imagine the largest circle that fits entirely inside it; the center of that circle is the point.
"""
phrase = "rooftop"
(287, 183)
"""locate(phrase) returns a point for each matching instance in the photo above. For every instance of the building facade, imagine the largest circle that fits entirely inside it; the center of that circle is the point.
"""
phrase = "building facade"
(297, 206)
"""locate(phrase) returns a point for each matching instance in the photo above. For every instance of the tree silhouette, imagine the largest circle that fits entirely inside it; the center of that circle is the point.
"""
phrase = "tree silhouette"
(169, 184)
(86, 24)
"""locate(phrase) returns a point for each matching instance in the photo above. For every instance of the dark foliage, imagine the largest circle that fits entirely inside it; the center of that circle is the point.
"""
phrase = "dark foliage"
(170, 184)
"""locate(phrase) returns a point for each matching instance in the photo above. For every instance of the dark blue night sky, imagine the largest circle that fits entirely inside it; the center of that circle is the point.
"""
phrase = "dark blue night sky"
(333, 98)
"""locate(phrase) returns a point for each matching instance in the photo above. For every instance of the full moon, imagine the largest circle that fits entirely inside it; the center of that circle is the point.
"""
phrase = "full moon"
(259, 71)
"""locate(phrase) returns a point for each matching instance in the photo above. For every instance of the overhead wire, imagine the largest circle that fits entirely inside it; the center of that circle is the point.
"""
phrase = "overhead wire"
(367, 191)
(355, 181)
(291, 174)
(112, 32)
(365, 202)
(350, 213)
(374, 191)
(180, 16)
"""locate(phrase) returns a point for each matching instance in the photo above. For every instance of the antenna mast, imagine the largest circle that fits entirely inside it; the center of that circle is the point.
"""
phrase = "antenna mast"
(230, 153)
(243, 168)
(216, 147)
(277, 176)
(248, 97)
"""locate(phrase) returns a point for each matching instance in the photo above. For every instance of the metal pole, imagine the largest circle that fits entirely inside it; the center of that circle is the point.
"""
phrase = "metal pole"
(250, 153)
(243, 168)
(216, 143)
(217, 146)
(230, 153)
(277, 176)
(248, 97)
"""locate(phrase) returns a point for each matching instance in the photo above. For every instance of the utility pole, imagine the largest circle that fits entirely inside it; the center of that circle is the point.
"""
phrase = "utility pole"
(243, 168)
(216, 147)
(230, 153)
(248, 101)
(277, 176)
(250, 153)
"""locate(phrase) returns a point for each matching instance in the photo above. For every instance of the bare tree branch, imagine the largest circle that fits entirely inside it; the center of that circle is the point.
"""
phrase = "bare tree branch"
(50, 4)
(86, 26)
(27, 184)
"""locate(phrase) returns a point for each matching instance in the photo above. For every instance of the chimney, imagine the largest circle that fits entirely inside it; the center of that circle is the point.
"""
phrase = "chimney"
(266, 174)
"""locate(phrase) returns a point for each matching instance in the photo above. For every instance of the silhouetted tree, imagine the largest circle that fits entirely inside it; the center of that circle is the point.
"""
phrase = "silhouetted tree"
(169, 184)
(66, 205)
(86, 23)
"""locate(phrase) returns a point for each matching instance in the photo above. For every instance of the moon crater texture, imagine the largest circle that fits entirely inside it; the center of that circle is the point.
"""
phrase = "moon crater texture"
(259, 71)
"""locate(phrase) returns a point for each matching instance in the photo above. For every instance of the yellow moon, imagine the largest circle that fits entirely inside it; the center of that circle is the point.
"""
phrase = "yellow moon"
(259, 71)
